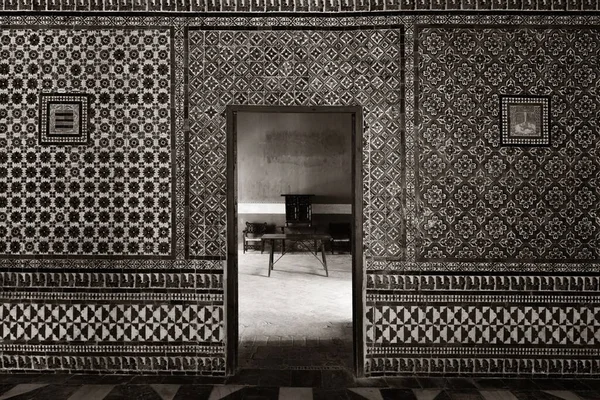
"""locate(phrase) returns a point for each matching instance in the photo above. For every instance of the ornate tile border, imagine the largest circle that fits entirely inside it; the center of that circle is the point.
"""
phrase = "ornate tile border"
(298, 6)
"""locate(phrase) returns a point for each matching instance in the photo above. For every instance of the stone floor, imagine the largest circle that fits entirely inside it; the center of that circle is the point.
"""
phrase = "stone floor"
(297, 318)
(289, 385)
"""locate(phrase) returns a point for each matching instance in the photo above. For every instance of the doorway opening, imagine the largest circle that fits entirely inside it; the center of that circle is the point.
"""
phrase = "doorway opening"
(294, 297)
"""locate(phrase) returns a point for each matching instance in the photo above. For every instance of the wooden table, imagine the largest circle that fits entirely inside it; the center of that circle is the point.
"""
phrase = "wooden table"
(299, 237)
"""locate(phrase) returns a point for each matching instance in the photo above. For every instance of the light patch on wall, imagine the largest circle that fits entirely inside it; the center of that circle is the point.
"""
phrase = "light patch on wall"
(313, 148)
(291, 152)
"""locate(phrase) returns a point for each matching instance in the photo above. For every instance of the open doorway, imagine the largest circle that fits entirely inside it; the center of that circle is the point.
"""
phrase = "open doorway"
(294, 267)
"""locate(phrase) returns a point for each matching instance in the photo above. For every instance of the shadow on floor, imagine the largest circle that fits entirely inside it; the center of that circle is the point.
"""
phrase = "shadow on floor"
(295, 354)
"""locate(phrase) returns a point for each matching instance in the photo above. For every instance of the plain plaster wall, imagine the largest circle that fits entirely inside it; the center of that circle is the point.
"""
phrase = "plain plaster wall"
(293, 153)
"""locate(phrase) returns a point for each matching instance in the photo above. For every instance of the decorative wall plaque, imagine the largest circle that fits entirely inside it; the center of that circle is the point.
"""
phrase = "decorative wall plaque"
(64, 118)
(525, 120)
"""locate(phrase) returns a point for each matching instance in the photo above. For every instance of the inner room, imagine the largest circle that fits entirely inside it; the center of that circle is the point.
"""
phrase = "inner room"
(294, 181)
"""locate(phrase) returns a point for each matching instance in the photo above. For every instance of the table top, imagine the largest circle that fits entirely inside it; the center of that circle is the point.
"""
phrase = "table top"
(296, 236)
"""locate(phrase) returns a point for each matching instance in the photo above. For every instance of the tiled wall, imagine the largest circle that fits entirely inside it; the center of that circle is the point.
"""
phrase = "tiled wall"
(145, 309)
(485, 201)
(112, 197)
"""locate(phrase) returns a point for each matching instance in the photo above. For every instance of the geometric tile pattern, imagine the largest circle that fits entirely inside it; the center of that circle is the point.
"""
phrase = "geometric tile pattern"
(64, 119)
(490, 325)
(111, 197)
(482, 323)
(300, 7)
(98, 323)
(296, 68)
(480, 200)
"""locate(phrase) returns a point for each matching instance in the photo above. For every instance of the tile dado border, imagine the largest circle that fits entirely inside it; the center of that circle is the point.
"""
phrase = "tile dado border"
(114, 280)
(60, 295)
(298, 6)
(485, 366)
(117, 266)
(176, 359)
(195, 359)
(384, 280)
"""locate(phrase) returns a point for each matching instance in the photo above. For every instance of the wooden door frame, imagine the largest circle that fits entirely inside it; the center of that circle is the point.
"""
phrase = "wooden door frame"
(231, 271)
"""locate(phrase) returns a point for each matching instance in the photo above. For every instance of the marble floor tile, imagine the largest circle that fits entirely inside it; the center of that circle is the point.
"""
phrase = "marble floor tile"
(255, 393)
(403, 383)
(330, 394)
(426, 394)
(195, 392)
(48, 392)
(470, 394)
(307, 378)
(20, 389)
(137, 392)
(166, 392)
(336, 379)
(570, 384)
(92, 392)
(460, 383)
(563, 394)
(490, 383)
(265, 384)
(400, 394)
(367, 393)
(588, 394)
(222, 391)
(497, 395)
(273, 377)
(295, 393)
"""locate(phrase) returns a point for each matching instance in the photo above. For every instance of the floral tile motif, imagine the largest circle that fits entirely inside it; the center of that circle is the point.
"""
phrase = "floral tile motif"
(296, 67)
(481, 201)
(106, 196)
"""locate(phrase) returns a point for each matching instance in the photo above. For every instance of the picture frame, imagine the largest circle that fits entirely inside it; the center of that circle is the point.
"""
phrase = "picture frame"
(525, 120)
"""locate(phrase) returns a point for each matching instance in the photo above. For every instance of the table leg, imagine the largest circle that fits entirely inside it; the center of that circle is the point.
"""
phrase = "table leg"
(271, 251)
(324, 258)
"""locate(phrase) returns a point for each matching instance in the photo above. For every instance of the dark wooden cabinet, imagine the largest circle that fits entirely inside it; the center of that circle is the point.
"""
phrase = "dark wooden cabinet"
(298, 209)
